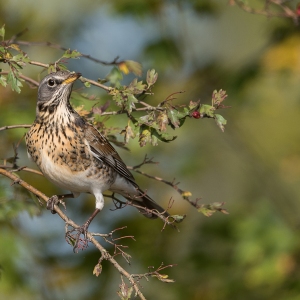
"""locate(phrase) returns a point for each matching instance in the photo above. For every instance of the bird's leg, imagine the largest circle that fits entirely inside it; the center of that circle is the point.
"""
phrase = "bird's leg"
(83, 229)
(56, 199)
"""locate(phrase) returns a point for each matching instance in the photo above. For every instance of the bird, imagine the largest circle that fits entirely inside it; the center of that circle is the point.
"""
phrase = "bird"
(75, 156)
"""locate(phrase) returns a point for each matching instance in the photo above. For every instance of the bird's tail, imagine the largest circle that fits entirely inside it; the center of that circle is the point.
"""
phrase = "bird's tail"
(144, 200)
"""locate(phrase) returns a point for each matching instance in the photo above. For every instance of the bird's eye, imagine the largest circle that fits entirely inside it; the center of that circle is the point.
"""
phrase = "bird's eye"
(51, 82)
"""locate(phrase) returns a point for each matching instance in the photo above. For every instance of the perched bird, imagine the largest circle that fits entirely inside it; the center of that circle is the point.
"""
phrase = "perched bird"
(74, 155)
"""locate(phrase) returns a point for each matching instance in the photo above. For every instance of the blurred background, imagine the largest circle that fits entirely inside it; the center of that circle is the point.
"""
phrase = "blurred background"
(254, 166)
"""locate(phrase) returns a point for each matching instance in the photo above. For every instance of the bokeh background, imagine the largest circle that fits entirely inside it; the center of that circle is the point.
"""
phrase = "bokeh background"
(254, 166)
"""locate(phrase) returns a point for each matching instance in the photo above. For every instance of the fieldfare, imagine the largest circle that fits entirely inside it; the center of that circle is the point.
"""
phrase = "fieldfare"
(74, 155)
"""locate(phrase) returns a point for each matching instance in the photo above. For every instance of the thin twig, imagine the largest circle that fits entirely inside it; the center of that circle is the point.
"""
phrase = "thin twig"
(59, 47)
(15, 126)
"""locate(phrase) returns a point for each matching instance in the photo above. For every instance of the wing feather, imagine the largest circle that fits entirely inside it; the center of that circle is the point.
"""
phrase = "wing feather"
(104, 151)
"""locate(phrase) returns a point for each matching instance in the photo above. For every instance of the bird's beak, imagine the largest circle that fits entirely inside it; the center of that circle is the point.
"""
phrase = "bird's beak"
(71, 78)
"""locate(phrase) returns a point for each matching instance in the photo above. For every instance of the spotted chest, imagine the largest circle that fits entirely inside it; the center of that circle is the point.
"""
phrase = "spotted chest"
(63, 155)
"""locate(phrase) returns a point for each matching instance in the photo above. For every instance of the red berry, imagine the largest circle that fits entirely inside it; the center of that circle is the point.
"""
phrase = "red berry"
(298, 10)
(196, 114)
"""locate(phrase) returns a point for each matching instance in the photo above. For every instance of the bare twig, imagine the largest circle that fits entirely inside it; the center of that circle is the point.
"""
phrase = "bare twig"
(59, 47)
(15, 126)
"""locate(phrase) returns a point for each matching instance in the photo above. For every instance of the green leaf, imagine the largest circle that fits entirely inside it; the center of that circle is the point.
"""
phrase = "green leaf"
(87, 84)
(207, 110)
(136, 87)
(151, 77)
(51, 69)
(114, 77)
(221, 122)
(61, 67)
(2, 32)
(209, 209)
(129, 103)
(164, 137)
(173, 117)
(154, 140)
(21, 58)
(14, 82)
(72, 54)
(118, 98)
(193, 105)
(178, 218)
(147, 120)
(3, 81)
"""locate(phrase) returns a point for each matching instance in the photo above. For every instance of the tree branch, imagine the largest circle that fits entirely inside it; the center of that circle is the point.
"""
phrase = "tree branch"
(104, 253)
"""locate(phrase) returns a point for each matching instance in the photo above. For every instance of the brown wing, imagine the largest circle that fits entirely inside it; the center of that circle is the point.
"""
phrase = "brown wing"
(103, 150)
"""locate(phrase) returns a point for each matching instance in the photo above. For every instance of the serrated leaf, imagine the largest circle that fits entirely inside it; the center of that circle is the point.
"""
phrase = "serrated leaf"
(118, 98)
(136, 87)
(130, 103)
(72, 54)
(221, 122)
(14, 82)
(151, 77)
(20, 58)
(207, 110)
(2, 32)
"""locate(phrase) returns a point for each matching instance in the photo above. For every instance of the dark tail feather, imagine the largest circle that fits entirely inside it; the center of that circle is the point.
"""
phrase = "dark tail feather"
(147, 202)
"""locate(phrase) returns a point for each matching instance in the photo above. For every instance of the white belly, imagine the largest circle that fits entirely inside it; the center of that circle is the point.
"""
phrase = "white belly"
(73, 181)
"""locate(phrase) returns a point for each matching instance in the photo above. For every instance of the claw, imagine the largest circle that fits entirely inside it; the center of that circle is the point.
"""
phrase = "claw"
(76, 240)
(55, 200)
(52, 201)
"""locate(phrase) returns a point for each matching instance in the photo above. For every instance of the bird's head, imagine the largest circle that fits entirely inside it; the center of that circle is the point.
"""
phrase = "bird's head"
(55, 89)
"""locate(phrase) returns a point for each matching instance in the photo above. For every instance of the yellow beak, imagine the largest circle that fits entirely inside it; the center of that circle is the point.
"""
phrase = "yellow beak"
(71, 78)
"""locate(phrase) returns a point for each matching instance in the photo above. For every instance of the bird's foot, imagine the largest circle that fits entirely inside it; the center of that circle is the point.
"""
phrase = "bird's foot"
(75, 239)
(55, 200)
